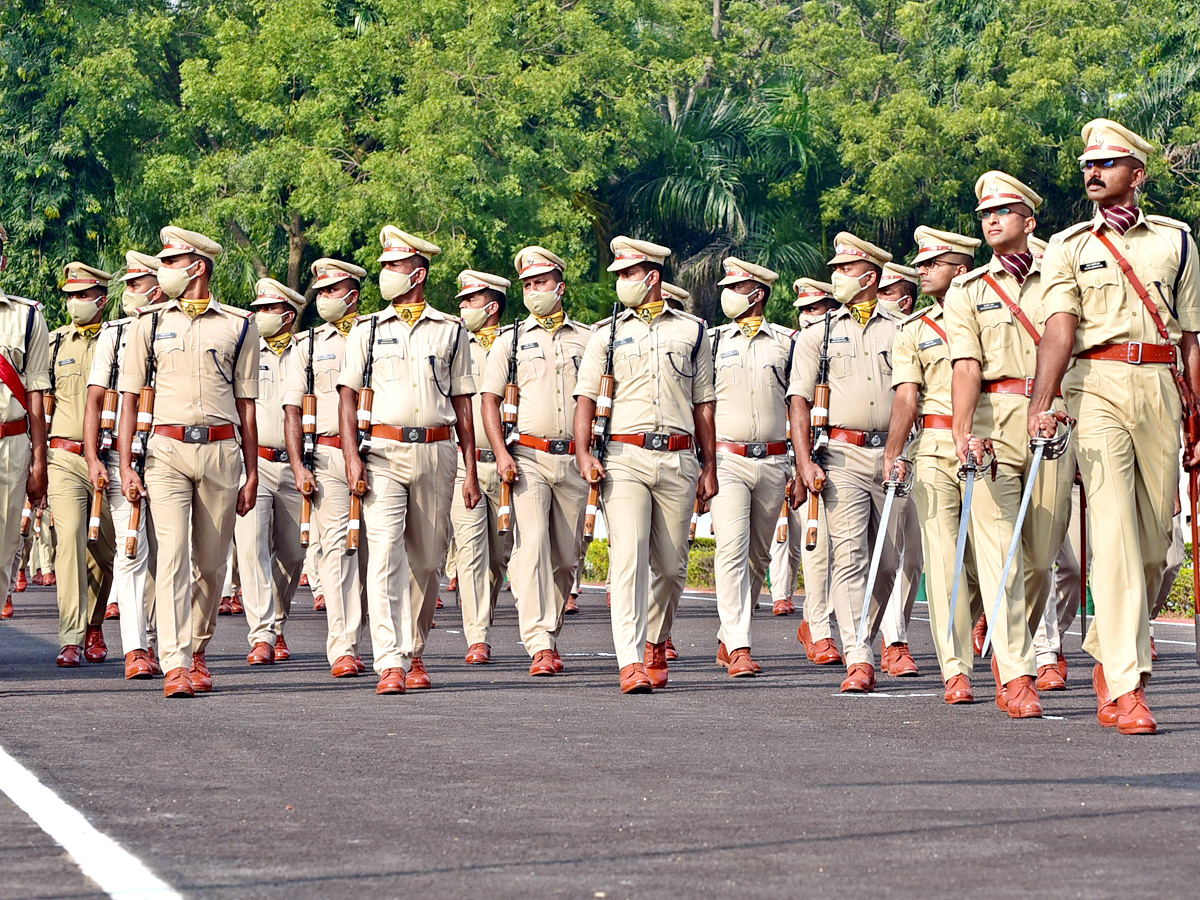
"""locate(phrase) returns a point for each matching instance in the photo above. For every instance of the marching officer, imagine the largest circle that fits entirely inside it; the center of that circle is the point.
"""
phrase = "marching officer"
(921, 376)
(318, 358)
(420, 371)
(132, 585)
(205, 358)
(481, 551)
(860, 373)
(85, 566)
(270, 558)
(1121, 291)
(548, 495)
(898, 289)
(651, 477)
(752, 362)
(994, 318)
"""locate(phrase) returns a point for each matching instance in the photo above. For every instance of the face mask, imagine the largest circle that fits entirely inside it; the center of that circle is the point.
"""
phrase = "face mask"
(633, 293)
(395, 284)
(892, 307)
(82, 311)
(474, 319)
(132, 301)
(175, 281)
(332, 309)
(542, 303)
(270, 324)
(734, 304)
(846, 287)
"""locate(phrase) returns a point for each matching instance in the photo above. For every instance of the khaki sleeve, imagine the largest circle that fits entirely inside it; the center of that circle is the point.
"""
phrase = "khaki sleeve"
(962, 327)
(803, 378)
(495, 375)
(1060, 290)
(37, 365)
(1187, 298)
(703, 389)
(587, 383)
(133, 372)
(462, 382)
(106, 349)
(245, 373)
(906, 361)
(355, 363)
(295, 376)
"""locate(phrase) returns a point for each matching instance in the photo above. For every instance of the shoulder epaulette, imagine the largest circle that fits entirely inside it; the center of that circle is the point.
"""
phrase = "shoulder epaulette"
(602, 322)
(113, 323)
(914, 316)
(1168, 221)
(688, 315)
(24, 300)
(963, 280)
(785, 333)
(62, 329)
(1077, 228)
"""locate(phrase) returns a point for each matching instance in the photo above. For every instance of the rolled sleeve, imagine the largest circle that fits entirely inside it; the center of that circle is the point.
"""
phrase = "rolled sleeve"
(803, 379)
(1060, 290)
(106, 351)
(137, 348)
(962, 328)
(906, 362)
(37, 364)
(295, 379)
(703, 390)
(462, 382)
(495, 375)
(245, 378)
(351, 375)
(1187, 299)
(587, 384)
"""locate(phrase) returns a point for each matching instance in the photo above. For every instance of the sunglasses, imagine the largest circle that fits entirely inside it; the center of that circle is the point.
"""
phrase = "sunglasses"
(1097, 164)
(985, 214)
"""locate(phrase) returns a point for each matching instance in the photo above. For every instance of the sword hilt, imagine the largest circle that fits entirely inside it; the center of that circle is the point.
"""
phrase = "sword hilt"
(1054, 447)
(903, 486)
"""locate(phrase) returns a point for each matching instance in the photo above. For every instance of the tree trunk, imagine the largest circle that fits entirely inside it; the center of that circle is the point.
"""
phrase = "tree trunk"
(297, 243)
(716, 28)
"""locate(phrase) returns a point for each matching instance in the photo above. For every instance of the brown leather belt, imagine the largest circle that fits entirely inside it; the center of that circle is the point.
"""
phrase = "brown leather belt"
(753, 449)
(859, 438)
(70, 446)
(1135, 353)
(556, 446)
(271, 454)
(1022, 387)
(937, 421)
(197, 434)
(330, 440)
(16, 426)
(655, 440)
(485, 456)
(411, 434)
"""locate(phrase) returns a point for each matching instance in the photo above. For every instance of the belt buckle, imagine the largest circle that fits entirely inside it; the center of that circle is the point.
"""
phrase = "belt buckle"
(559, 446)
(874, 439)
(756, 450)
(656, 441)
(195, 434)
(1028, 388)
(281, 456)
(487, 456)
(1129, 353)
(415, 435)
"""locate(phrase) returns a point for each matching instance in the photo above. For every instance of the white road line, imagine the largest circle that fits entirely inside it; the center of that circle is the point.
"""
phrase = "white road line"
(119, 874)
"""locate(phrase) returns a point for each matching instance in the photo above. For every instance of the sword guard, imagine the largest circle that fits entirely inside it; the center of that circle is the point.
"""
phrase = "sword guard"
(989, 461)
(1053, 448)
(903, 487)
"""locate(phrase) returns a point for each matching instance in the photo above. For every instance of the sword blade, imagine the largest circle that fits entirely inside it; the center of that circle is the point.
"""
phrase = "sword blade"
(1015, 544)
(876, 554)
(960, 548)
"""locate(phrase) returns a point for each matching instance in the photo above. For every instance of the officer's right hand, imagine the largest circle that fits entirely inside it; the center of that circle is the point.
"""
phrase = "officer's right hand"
(969, 445)
(590, 468)
(306, 482)
(35, 487)
(812, 475)
(506, 467)
(131, 485)
(356, 476)
(894, 469)
(98, 474)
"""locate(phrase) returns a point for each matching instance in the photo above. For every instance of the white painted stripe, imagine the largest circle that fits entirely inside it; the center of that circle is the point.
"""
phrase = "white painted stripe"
(119, 874)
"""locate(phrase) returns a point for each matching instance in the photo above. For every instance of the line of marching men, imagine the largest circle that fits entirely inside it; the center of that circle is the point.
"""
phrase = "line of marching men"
(379, 437)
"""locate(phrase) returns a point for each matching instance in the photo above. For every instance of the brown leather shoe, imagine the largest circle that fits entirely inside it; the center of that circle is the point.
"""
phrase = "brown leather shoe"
(1023, 699)
(860, 679)
(1062, 665)
(1133, 715)
(392, 681)
(542, 665)
(303, 580)
(261, 654)
(557, 660)
(49, 579)
(201, 678)
(885, 659)
(1153, 656)
(319, 603)
(478, 654)
(70, 657)
(902, 664)
(782, 608)
(226, 607)
(1049, 679)
(438, 604)
(825, 652)
(804, 636)
(94, 648)
(656, 664)
(1001, 695)
(958, 690)
(281, 649)
(723, 658)
(344, 667)
(1106, 709)
(741, 665)
(36, 578)
(362, 666)
(634, 679)
(235, 605)
(178, 684)
(979, 634)
(7, 611)
(137, 665)
(21, 583)
(672, 654)
(417, 678)
(155, 669)
(572, 606)
(112, 611)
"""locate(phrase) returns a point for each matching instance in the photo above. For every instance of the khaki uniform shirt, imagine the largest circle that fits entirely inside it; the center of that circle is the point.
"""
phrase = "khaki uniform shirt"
(34, 369)
(981, 326)
(415, 371)
(111, 344)
(662, 371)
(547, 367)
(327, 363)
(198, 377)
(751, 377)
(72, 363)
(272, 370)
(479, 361)
(1081, 277)
(921, 356)
(860, 369)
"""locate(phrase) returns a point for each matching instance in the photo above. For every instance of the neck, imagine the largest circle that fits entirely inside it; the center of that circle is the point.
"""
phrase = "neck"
(755, 310)
(415, 295)
(1127, 199)
(1018, 244)
(197, 289)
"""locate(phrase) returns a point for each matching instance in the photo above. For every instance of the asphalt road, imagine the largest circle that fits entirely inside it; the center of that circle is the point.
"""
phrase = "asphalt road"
(286, 784)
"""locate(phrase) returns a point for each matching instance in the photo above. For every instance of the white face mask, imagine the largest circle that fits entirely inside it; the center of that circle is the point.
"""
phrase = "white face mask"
(395, 284)
(83, 311)
(542, 303)
(473, 319)
(132, 301)
(634, 293)
(846, 287)
(175, 281)
(734, 304)
(334, 309)
(270, 324)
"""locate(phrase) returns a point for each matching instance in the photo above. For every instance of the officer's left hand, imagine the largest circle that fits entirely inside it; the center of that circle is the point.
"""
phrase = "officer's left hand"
(248, 494)
(35, 487)
(1191, 457)
(706, 488)
(471, 493)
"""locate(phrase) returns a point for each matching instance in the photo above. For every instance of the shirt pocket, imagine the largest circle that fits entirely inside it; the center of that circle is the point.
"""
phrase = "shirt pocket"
(841, 359)
(268, 389)
(1100, 288)
(325, 374)
(729, 368)
(627, 361)
(531, 364)
(391, 361)
(775, 371)
(68, 375)
(996, 325)
(677, 359)
(220, 358)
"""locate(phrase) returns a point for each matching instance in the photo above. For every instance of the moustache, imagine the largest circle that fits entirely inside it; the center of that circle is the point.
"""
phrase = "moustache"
(1096, 181)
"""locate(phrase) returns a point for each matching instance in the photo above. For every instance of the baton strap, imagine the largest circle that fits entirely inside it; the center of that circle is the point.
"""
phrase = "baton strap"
(12, 381)
(16, 426)
(937, 329)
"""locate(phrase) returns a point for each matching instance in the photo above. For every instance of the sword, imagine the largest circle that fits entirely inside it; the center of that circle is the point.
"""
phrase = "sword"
(1194, 497)
(968, 472)
(895, 488)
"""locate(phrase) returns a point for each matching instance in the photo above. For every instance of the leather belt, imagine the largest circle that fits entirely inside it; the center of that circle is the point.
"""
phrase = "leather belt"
(411, 434)
(859, 438)
(330, 440)
(485, 456)
(1022, 387)
(556, 446)
(16, 426)
(197, 434)
(75, 447)
(753, 449)
(1135, 353)
(271, 454)
(938, 421)
(655, 440)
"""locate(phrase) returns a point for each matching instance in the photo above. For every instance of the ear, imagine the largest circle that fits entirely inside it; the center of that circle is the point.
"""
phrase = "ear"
(418, 276)
(1030, 224)
(1138, 179)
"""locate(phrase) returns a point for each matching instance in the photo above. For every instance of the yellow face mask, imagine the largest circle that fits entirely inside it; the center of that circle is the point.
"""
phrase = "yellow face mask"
(750, 325)
(862, 311)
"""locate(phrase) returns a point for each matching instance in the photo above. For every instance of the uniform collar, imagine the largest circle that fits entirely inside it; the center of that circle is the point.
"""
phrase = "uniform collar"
(531, 321)
(995, 267)
(1099, 221)
(631, 313)
(389, 312)
(177, 303)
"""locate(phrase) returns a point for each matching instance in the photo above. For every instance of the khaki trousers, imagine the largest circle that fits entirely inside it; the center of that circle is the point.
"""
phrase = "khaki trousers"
(549, 500)
(343, 575)
(785, 557)
(481, 553)
(83, 570)
(818, 570)
(1128, 445)
(133, 582)
(193, 502)
(648, 497)
(853, 500)
(896, 617)
(16, 455)
(270, 558)
(744, 514)
(406, 516)
(1004, 418)
(312, 561)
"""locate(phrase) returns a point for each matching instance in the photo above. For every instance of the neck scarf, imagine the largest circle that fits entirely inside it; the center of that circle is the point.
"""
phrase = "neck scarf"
(409, 312)
(862, 311)
(487, 335)
(1018, 265)
(750, 325)
(194, 307)
(647, 312)
(551, 322)
(1119, 218)
(89, 331)
(345, 323)
(279, 343)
